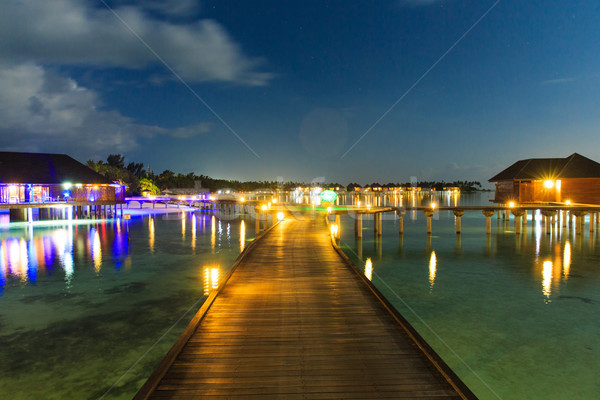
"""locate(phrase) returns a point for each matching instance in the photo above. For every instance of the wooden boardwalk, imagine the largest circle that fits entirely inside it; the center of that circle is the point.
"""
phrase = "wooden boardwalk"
(296, 321)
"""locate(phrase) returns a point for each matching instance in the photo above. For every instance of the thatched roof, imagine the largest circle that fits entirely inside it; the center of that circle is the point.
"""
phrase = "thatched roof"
(42, 168)
(574, 166)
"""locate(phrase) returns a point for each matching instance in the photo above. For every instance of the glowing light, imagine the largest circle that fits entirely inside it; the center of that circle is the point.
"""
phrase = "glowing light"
(549, 184)
(568, 202)
(242, 199)
(547, 278)
(369, 269)
(67, 185)
(280, 216)
(264, 207)
(328, 195)
(368, 206)
(567, 260)
(213, 232)
(511, 204)
(432, 269)
(211, 279)
(242, 236)
(212, 198)
(433, 205)
(328, 210)
(358, 203)
(151, 233)
(269, 205)
(334, 230)
(274, 201)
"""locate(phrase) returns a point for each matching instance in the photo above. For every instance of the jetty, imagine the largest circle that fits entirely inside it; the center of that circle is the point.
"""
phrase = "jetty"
(295, 319)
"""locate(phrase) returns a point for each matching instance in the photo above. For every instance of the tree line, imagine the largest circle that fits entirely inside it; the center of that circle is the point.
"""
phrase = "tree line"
(140, 179)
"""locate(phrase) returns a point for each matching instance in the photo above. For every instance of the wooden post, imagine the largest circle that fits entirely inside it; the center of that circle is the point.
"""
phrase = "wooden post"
(377, 224)
(401, 222)
(458, 214)
(428, 214)
(358, 225)
(524, 218)
(518, 213)
(548, 218)
(579, 218)
(257, 218)
(592, 214)
(488, 220)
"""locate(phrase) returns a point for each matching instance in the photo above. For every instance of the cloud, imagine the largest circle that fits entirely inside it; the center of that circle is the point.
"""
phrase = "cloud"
(558, 81)
(72, 32)
(42, 111)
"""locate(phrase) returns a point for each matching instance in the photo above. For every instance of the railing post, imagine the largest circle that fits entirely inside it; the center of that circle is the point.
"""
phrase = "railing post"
(518, 213)
(428, 214)
(488, 220)
(458, 214)
(358, 225)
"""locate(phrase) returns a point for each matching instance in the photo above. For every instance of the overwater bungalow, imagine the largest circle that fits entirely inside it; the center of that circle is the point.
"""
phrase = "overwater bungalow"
(574, 179)
(42, 178)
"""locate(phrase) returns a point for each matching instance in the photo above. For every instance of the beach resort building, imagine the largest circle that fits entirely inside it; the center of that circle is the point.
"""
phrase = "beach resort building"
(574, 179)
(38, 180)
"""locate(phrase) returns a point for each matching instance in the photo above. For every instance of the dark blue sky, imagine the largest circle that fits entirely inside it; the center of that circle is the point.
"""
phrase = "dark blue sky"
(262, 89)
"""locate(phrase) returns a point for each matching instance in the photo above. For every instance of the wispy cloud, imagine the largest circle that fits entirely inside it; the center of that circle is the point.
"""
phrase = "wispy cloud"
(73, 32)
(558, 81)
(41, 110)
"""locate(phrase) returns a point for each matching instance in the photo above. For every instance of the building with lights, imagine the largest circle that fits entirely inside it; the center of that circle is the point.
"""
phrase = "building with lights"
(44, 178)
(549, 180)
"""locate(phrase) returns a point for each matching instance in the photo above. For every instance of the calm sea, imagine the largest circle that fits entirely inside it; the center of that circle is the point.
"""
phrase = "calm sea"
(87, 310)
(516, 316)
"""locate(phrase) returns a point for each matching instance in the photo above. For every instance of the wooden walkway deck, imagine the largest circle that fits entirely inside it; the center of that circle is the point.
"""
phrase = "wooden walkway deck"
(296, 321)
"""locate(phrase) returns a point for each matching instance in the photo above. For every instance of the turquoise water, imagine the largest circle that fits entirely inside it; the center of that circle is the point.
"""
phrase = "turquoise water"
(516, 316)
(88, 309)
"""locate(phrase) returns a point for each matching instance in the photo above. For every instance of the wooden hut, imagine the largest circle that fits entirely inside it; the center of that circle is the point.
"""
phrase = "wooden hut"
(575, 178)
(41, 178)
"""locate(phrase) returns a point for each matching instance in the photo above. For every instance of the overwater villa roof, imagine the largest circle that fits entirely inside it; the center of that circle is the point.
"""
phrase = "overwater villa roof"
(574, 166)
(42, 168)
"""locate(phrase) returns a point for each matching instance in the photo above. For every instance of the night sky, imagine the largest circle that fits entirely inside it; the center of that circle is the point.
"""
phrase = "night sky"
(352, 91)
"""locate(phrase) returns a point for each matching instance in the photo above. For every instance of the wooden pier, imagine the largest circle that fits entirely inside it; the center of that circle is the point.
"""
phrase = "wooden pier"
(296, 320)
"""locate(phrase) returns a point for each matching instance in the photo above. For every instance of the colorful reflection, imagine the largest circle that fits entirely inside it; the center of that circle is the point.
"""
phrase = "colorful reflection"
(547, 278)
(151, 234)
(40, 251)
(567, 260)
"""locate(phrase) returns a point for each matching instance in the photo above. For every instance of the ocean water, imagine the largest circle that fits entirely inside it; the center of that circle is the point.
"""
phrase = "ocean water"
(515, 316)
(88, 309)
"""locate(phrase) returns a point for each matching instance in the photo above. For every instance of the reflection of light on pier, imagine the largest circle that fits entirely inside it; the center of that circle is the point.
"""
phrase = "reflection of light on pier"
(211, 279)
(369, 269)
(96, 249)
(547, 278)
(183, 226)
(242, 236)
(151, 234)
(213, 233)
(194, 231)
(432, 269)
(567, 259)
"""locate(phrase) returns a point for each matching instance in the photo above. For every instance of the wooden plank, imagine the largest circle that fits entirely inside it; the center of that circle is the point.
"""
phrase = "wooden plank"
(295, 321)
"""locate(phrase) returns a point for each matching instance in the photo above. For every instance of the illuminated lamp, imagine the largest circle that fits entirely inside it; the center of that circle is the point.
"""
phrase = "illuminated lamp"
(328, 196)
(66, 194)
(264, 207)
(328, 210)
(67, 185)
(280, 216)
(511, 204)
(568, 202)
(242, 199)
(549, 184)
(433, 205)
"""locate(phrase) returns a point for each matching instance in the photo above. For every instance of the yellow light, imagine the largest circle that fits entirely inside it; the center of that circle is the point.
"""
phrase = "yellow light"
(511, 204)
(358, 203)
(549, 184)
(274, 201)
(212, 198)
(264, 207)
(369, 269)
(334, 230)
(328, 210)
(269, 205)
(368, 206)
(547, 278)
(242, 199)
(432, 268)
(568, 202)
(433, 205)
(280, 216)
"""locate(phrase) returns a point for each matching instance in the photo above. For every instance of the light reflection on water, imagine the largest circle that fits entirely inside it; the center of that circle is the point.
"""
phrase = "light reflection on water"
(107, 290)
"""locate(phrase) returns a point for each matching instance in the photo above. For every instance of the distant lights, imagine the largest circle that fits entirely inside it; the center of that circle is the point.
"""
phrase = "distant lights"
(67, 185)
